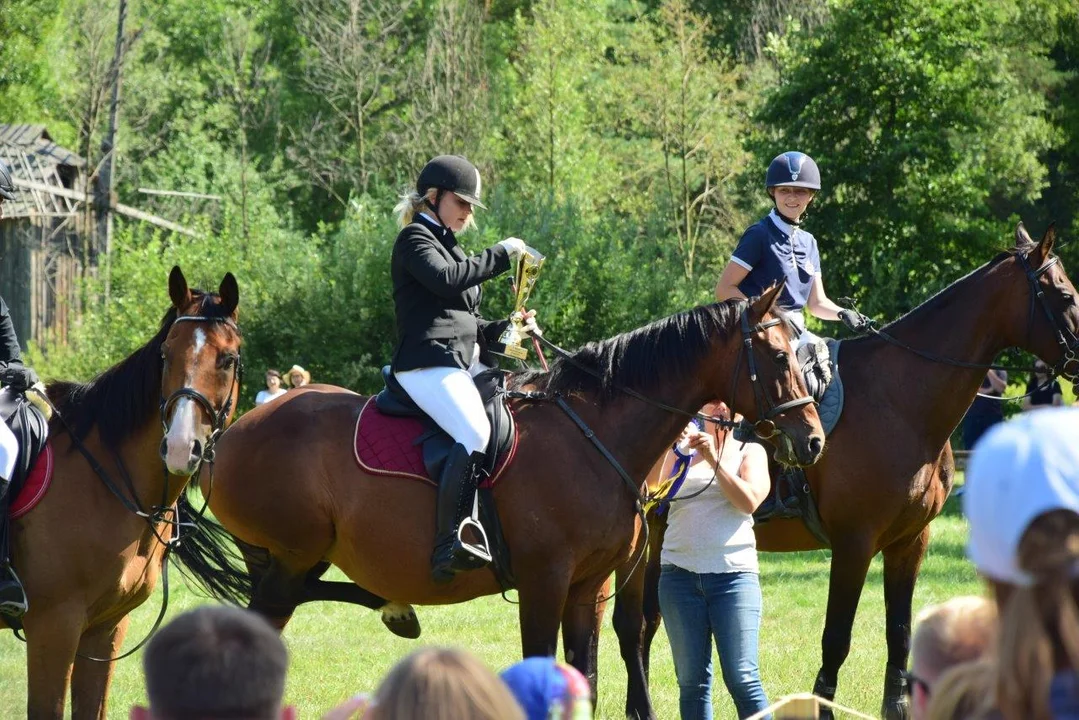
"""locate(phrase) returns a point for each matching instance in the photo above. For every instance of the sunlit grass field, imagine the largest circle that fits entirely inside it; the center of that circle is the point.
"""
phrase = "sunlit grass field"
(338, 650)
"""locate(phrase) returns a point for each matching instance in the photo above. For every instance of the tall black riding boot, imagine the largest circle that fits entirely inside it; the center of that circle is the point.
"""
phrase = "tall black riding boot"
(12, 597)
(456, 490)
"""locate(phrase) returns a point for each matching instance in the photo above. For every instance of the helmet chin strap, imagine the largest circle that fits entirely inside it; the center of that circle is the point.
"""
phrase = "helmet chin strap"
(434, 207)
(789, 221)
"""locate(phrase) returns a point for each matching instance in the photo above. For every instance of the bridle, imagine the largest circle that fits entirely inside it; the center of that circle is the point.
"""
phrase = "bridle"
(765, 427)
(218, 416)
(1065, 338)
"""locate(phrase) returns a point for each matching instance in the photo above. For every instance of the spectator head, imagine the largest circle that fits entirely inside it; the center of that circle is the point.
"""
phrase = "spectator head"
(549, 690)
(215, 663)
(298, 377)
(442, 684)
(956, 631)
(965, 692)
(273, 379)
(1022, 501)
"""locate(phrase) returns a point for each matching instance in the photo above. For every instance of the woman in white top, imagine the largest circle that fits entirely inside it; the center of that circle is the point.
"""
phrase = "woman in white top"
(708, 587)
(273, 388)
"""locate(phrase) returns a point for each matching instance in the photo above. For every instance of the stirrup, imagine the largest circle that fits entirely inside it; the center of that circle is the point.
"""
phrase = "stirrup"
(10, 609)
(479, 551)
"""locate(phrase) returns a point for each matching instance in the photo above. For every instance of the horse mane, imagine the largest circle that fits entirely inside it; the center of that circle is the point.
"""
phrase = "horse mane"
(121, 400)
(641, 358)
(945, 296)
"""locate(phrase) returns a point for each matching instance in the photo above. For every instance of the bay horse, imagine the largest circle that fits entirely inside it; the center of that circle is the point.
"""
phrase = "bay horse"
(889, 465)
(92, 550)
(286, 481)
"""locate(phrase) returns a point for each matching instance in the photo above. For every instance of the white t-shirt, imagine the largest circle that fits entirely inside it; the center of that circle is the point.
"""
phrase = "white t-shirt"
(265, 396)
(706, 534)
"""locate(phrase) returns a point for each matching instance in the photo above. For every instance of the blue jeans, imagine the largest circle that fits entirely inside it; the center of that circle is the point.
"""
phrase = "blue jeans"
(725, 606)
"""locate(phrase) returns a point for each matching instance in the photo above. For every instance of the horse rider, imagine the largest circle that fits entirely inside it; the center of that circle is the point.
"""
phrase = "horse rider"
(442, 341)
(777, 248)
(18, 377)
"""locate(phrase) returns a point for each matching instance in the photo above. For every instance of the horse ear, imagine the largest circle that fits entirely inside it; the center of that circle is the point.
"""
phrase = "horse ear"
(230, 294)
(178, 290)
(767, 300)
(1040, 253)
(1021, 236)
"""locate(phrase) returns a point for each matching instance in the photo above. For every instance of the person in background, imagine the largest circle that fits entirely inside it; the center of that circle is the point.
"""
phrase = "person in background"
(273, 388)
(442, 684)
(1040, 391)
(985, 412)
(965, 692)
(1022, 503)
(215, 663)
(709, 588)
(298, 377)
(549, 690)
(956, 631)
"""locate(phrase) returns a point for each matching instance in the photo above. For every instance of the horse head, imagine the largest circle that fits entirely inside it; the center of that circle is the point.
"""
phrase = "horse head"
(1050, 319)
(782, 411)
(202, 372)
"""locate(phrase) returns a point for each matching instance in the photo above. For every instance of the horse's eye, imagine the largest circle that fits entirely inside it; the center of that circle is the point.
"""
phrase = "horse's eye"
(782, 358)
(227, 362)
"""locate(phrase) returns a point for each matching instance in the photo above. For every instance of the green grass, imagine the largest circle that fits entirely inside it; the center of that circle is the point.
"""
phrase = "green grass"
(338, 650)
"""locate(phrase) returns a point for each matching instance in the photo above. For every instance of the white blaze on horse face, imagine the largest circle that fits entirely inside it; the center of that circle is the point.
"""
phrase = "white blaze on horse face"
(183, 429)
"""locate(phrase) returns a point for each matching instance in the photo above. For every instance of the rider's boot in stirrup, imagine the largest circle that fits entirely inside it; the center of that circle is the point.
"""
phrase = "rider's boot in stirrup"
(12, 596)
(456, 491)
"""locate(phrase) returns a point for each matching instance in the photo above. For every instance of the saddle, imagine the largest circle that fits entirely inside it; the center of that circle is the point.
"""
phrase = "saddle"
(31, 430)
(436, 444)
(790, 497)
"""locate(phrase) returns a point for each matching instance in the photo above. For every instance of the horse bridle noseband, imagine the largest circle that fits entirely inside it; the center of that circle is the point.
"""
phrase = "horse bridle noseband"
(218, 417)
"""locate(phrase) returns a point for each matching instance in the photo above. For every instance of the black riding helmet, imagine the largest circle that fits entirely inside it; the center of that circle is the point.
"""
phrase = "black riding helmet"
(454, 174)
(7, 186)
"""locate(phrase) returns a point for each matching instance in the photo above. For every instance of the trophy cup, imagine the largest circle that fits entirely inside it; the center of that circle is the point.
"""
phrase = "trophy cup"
(509, 342)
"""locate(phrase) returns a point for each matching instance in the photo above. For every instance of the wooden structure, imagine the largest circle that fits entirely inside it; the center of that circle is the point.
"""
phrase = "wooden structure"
(45, 238)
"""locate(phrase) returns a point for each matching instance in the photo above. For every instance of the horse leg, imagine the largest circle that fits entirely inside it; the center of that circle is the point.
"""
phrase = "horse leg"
(278, 591)
(52, 640)
(542, 601)
(652, 617)
(582, 618)
(399, 618)
(629, 625)
(91, 680)
(850, 563)
(901, 564)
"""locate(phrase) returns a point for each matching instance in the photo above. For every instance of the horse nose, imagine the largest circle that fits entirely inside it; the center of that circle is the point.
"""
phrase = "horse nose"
(816, 447)
(196, 450)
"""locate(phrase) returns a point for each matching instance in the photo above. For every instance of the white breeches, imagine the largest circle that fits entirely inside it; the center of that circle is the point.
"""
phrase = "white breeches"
(450, 397)
(9, 450)
(806, 338)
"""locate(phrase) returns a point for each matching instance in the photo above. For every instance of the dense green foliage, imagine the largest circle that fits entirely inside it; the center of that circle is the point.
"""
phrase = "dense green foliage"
(625, 139)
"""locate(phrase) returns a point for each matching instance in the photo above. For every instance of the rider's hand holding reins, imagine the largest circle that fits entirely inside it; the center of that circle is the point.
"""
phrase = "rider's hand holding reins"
(529, 327)
(856, 321)
(18, 377)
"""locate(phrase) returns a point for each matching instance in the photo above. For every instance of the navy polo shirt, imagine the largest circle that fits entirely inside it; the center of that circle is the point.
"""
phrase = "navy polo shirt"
(771, 251)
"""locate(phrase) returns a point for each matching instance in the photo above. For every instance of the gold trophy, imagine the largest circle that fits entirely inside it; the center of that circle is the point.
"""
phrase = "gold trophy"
(509, 342)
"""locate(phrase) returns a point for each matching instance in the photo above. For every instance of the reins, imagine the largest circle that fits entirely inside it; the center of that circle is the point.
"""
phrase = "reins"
(1069, 347)
(161, 513)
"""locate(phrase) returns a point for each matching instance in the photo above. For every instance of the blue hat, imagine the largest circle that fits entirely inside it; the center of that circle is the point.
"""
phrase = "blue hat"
(793, 169)
(549, 690)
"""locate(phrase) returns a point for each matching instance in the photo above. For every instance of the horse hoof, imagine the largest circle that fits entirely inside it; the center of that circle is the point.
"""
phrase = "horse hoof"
(895, 710)
(401, 620)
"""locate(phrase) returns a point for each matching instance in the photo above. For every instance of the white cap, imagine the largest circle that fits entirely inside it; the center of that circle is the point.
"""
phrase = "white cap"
(1019, 470)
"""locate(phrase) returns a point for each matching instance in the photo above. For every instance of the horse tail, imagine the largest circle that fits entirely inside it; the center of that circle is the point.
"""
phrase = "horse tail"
(211, 556)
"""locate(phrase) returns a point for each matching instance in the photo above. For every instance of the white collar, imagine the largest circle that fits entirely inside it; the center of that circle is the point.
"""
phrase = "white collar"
(434, 220)
(780, 223)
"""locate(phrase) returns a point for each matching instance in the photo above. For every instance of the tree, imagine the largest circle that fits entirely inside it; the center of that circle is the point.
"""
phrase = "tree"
(927, 136)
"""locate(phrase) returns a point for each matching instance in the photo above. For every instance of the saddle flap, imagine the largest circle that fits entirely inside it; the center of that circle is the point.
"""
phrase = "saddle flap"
(31, 432)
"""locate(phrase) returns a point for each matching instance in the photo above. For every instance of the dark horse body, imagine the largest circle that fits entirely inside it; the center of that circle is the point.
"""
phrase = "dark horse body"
(85, 557)
(888, 468)
(286, 481)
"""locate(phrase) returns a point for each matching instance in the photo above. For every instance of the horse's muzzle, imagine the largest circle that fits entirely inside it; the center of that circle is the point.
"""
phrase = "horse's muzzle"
(800, 453)
(182, 461)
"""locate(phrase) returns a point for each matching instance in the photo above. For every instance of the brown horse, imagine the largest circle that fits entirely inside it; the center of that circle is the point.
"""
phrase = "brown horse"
(889, 468)
(286, 480)
(92, 550)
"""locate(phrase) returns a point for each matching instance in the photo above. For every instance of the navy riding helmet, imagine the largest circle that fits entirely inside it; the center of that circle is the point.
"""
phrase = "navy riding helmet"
(793, 169)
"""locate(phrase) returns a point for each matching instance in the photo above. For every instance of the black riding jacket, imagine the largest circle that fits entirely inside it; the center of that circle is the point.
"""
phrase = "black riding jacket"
(9, 343)
(436, 298)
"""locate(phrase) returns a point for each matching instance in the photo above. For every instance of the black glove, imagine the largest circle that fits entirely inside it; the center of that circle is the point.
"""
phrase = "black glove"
(18, 377)
(854, 320)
